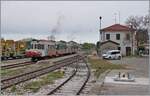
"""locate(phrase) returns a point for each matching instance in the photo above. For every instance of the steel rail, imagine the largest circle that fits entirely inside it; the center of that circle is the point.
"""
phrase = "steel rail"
(17, 65)
(88, 76)
(33, 74)
(70, 77)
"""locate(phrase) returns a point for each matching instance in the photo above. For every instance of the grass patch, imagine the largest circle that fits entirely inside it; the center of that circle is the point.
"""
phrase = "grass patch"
(131, 56)
(9, 72)
(13, 88)
(101, 66)
(34, 86)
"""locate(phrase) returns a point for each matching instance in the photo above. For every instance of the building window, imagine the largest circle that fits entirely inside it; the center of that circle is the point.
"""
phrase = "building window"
(119, 48)
(107, 36)
(117, 36)
(128, 36)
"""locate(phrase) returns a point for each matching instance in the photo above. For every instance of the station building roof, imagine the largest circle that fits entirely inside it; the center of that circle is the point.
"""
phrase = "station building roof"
(116, 28)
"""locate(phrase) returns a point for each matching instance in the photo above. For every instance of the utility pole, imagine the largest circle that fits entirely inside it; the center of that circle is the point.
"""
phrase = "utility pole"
(149, 23)
(100, 35)
(149, 34)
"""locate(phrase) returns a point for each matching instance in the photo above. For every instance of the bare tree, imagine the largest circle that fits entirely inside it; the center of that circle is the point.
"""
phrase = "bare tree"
(140, 24)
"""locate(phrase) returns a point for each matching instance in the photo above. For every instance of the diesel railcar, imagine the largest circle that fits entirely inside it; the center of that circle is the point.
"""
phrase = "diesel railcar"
(41, 49)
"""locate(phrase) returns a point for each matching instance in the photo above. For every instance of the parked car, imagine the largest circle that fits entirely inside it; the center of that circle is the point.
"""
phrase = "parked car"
(112, 54)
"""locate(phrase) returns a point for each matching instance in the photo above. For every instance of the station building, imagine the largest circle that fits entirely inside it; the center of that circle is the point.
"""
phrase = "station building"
(118, 37)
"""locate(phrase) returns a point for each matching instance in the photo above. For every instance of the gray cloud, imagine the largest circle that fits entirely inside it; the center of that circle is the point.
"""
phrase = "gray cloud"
(67, 20)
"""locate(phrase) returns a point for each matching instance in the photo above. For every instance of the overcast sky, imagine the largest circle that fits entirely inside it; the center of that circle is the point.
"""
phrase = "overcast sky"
(67, 20)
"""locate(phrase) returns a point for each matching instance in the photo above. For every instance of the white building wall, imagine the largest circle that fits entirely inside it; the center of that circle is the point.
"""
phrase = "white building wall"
(123, 41)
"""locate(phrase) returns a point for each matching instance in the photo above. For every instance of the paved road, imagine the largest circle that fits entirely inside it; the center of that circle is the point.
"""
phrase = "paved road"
(140, 68)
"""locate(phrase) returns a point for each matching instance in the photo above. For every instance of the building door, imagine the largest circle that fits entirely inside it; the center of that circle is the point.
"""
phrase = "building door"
(128, 51)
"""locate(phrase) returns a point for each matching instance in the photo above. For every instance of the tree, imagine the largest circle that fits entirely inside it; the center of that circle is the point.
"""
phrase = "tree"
(140, 24)
(88, 46)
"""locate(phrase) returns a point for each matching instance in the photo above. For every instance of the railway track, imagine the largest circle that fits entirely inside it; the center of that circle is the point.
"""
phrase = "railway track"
(72, 79)
(8, 82)
(15, 65)
(12, 59)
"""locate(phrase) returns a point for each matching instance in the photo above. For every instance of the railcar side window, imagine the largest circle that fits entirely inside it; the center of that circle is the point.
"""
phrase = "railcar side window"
(42, 46)
(53, 47)
(35, 46)
(31, 46)
(38, 46)
(57, 47)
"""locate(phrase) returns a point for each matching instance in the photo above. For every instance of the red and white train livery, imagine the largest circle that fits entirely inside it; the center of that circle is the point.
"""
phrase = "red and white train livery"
(47, 48)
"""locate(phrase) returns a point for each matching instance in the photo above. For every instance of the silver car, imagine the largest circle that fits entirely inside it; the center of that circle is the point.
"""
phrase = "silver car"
(112, 54)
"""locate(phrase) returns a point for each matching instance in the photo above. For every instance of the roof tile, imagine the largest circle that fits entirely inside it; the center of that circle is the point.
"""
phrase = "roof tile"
(117, 27)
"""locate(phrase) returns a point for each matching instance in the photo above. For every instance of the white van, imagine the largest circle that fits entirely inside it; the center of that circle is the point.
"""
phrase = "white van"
(112, 54)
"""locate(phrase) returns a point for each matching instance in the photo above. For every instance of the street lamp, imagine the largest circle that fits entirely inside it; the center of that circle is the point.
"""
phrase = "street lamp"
(100, 34)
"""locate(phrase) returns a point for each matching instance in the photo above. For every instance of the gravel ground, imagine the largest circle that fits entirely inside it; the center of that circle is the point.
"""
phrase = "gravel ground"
(139, 67)
(125, 89)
